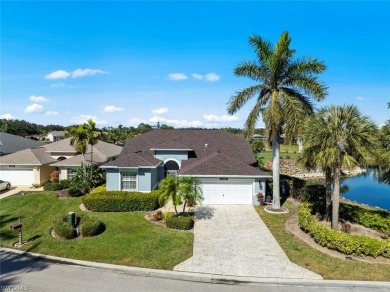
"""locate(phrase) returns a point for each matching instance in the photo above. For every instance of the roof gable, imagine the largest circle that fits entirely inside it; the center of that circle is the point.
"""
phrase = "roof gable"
(10, 143)
(37, 156)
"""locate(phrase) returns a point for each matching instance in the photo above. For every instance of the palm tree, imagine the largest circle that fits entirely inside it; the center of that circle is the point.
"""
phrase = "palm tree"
(190, 190)
(339, 137)
(283, 92)
(93, 137)
(79, 139)
(169, 187)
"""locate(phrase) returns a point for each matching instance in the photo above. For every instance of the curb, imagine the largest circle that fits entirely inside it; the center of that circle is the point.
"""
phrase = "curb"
(199, 277)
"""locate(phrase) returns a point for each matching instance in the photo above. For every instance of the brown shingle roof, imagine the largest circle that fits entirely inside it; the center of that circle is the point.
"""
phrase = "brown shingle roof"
(36, 156)
(134, 160)
(171, 145)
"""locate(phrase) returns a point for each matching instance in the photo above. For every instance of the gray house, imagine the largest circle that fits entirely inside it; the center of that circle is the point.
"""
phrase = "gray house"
(223, 162)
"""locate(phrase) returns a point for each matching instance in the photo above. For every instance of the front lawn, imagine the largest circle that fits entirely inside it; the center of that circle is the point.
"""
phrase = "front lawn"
(128, 240)
(316, 261)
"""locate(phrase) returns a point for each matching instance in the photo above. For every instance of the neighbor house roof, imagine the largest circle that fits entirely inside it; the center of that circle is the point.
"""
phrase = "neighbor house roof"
(210, 151)
(57, 133)
(36, 156)
(60, 146)
(10, 143)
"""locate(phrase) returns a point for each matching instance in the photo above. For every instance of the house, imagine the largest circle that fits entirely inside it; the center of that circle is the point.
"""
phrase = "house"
(34, 166)
(56, 136)
(223, 162)
(10, 143)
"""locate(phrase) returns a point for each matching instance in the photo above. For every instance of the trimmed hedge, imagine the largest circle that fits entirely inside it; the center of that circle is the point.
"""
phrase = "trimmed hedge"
(98, 189)
(180, 221)
(118, 201)
(53, 187)
(91, 226)
(63, 229)
(374, 219)
(337, 240)
(65, 183)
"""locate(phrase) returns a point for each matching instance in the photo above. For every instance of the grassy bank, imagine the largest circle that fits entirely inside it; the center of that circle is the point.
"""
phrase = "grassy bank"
(128, 240)
(316, 261)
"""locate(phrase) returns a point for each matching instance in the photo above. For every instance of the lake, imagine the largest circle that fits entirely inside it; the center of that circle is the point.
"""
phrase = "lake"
(366, 189)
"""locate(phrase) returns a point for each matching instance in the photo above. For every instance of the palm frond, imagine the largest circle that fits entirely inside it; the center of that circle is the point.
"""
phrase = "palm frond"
(251, 70)
(262, 47)
(240, 98)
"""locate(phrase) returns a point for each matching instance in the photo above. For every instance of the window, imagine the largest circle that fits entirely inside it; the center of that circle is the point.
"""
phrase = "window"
(129, 181)
(71, 173)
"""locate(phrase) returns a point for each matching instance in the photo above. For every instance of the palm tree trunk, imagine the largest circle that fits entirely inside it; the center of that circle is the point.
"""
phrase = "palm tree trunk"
(336, 199)
(300, 145)
(175, 208)
(184, 206)
(91, 160)
(328, 195)
(275, 171)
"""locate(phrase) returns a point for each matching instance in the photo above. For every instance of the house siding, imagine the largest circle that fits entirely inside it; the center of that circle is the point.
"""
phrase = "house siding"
(171, 155)
(144, 180)
(44, 173)
(113, 179)
(260, 187)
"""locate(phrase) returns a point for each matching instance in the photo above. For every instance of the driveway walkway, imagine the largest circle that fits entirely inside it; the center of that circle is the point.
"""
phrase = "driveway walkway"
(17, 189)
(233, 240)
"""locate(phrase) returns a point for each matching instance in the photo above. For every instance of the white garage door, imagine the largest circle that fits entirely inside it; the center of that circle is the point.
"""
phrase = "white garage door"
(227, 192)
(22, 177)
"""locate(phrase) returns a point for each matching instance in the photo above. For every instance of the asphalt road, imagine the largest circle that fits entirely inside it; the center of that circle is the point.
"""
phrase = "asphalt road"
(20, 273)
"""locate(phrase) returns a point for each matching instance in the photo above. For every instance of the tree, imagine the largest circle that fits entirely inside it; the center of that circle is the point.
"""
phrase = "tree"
(79, 139)
(283, 92)
(169, 187)
(337, 138)
(257, 146)
(93, 136)
(190, 190)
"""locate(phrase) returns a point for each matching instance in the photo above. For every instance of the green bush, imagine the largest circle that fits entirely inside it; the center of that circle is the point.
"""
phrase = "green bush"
(63, 229)
(337, 240)
(65, 183)
(53, 187)
(98, 189)
(180, 221)
(74, 192)
(118, 201)
(91, 226)
(374, 219)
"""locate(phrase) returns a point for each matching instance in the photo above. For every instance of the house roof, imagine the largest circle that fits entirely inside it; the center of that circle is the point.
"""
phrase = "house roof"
(60, 146)
(172, 145)
(36, 156)
(10, 143)
(57, 133)
(215, 152)
(102, 152)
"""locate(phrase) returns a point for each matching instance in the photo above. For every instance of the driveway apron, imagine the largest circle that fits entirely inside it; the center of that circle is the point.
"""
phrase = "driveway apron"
(233, 240)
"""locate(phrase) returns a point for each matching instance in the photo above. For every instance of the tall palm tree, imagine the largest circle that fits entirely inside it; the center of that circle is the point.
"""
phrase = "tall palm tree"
(93, 137)
(283, 92)
(340, 138)
(79, 139)
(191, 190)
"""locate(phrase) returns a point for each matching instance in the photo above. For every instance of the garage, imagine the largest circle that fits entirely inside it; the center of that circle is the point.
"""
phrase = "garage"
(21, 177)
(227, 191)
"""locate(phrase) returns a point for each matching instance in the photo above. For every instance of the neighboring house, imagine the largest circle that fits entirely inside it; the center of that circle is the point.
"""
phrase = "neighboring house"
(223, 162)
(10, 143)
(34, 166)
(56, 136)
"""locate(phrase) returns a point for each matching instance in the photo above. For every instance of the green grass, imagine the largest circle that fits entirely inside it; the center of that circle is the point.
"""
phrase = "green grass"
(316, 261)
(128, 240)
(268, 155)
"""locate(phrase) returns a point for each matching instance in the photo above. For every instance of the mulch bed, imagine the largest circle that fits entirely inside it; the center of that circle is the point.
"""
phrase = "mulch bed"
(63, 194)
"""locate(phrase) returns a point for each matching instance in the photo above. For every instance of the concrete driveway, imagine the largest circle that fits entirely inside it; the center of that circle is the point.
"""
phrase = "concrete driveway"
(17, 189)
(233, 240)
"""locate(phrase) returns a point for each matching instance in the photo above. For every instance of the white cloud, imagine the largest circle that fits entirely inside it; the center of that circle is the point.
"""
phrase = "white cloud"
(360, 98)
(51, 113)
(212, 77)
(59, 74)
(177, 76)
(34, 108)
(136, 121)
(7, 117)
(197, 76)
(177, 123)
(87, 72)
(112, 109)
(220, 119)
(160, 111)
(38, 99)
(83, 119)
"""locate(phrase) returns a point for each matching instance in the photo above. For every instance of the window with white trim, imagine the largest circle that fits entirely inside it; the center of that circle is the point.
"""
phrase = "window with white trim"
(71, 173)
(129, 181)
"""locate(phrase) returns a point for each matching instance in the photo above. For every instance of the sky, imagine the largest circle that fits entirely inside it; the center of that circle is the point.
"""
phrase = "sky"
(172, 62)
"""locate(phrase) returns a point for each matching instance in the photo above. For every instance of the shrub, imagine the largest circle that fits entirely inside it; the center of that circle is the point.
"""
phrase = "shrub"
(53, 187)
(74, 192)
(98, 189)
(157, 215)
(118, 201)
(91, 226)
(63, 229)
(180, 221)
(337, 240)
(65, 183)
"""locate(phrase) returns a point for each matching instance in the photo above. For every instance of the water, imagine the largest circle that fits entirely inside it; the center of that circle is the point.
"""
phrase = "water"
(366, 189)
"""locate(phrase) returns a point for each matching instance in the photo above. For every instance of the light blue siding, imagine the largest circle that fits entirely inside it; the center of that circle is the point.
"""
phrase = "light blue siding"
(144, 180)
(154, 178)
(167, 154)
(113, 179)
(259, 188)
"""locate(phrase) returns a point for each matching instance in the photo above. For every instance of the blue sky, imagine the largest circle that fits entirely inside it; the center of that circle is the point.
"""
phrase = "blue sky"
(130, 62)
